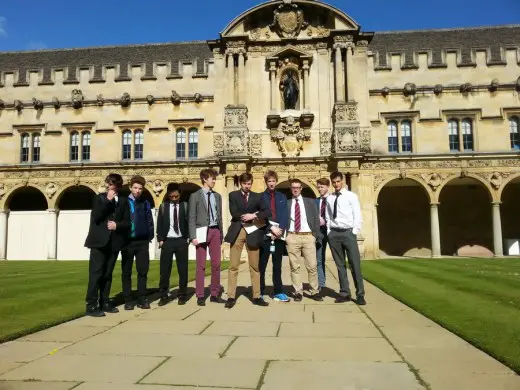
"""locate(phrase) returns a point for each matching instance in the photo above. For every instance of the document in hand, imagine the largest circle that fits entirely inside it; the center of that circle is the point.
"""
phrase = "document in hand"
(202, 233)
(251, 227)
(276, 224)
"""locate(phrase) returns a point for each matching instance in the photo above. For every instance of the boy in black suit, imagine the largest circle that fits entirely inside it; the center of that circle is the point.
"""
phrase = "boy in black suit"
(172, 235)
(108, 234)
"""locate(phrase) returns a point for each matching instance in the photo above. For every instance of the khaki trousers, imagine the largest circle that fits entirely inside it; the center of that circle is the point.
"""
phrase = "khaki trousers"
(302, 245)
(253, 256)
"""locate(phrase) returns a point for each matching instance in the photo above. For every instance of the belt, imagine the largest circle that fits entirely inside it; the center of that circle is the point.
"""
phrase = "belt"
(301, 233)
(341, 230)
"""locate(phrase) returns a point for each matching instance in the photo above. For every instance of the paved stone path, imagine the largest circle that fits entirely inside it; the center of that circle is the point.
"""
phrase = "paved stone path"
(306, 345)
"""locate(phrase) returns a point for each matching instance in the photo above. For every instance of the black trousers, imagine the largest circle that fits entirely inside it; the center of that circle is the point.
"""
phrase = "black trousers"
(139, 250)
(179, 248)
(100, 268)
(265, 252)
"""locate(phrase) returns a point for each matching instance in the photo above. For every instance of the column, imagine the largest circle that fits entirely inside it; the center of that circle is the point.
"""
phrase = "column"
(497, 230)
(435, 231)
(272, 70)
(241, 77)
(340, 84)
(375, 223)
(3, 234)
(231, 77)
(350, 74)
(354, 182)
(306, 85)
(52, 238)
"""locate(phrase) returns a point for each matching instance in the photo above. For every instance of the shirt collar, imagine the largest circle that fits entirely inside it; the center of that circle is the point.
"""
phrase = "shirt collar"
(300, 198)
(325, 196)
(206, 190)
(343, 191)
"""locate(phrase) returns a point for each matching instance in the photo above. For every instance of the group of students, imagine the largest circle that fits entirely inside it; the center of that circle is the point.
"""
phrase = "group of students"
(267, 224)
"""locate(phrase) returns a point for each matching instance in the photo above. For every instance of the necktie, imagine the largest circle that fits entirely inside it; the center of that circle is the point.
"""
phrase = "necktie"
(335, 213)
(297, 217)
(273, 206)
(210, 210)
(245, 198)
(175, 219)
(323, 207)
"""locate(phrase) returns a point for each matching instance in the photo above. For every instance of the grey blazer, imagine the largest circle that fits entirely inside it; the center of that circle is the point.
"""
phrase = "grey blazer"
(312, 213)
(198, 212)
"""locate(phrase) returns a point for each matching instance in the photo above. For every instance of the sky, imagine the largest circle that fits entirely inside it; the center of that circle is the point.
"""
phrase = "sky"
(36, 24)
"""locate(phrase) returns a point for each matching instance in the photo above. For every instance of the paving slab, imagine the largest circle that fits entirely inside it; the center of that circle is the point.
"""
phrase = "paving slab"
(466, 380)
(332, 308)
(37, 385)
(25, 351)
(338, 329)
(340, 376)
(161, 327)
(342, 318)
(66, 333)
(208, 372)
(315, 349)
(230, 328)
(151, 345)
(255, 314)
(116, 386)
(80, 368)
(8, 366)
(169, 312)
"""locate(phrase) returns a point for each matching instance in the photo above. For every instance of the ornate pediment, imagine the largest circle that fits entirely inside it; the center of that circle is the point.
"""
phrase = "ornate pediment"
(290, 51)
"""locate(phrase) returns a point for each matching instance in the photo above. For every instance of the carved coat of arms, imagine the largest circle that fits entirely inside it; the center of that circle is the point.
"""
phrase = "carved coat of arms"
(288, 20)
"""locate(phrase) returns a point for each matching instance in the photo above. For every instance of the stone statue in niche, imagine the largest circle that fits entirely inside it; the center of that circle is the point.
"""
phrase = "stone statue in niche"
(290, 89)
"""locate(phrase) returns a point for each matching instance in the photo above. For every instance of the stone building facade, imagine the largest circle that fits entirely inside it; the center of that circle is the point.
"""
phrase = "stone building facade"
(424, 124)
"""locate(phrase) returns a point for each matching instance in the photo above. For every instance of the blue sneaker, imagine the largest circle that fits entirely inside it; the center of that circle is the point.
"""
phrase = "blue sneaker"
(281, 298)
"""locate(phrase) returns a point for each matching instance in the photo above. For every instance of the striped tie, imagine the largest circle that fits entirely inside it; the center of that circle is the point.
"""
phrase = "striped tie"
(297, 217)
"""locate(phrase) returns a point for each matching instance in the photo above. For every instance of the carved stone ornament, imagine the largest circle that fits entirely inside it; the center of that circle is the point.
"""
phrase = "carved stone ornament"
(466, 88)
(125, 100)
(37, 104)
(56, 102)
(100, 100)
(496, 179)
(197, 97)
(256, 145)
(77, 98)
(158, 187)
(101, 188)
(218, 145)
(2, 104)
(345, 111)
(235, 116)
(493, 87)
(437, 90)
(517, 85)
(3, 190)
(410, 89)
(288, 20)
(325, 143)
(385, 91)
(290, 136)
(175, 98)
(434, 180)
(150, 100)
(18, 105)
(236, 143)
(50, 190)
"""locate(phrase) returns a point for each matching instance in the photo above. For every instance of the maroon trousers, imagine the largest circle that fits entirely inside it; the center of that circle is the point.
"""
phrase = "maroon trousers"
(214, 245)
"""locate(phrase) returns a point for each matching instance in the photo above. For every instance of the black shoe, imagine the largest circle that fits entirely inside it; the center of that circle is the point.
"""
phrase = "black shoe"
(230, 303)
(164, 301)
(129, 306)
(201, 302)
(93, 311)
(143, 304)
(361, 301)
(110, 308)
(181, 300)
(260, 302)
(298, 297)
(216, 299)
(317, 297)
(343, 299)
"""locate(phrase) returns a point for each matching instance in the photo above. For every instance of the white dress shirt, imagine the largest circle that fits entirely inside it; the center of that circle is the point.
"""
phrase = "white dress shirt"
(171, 232)
(304, 226)
(349, 211)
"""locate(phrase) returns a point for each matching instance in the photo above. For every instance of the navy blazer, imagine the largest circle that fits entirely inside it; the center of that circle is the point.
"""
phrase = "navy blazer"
(282, 217)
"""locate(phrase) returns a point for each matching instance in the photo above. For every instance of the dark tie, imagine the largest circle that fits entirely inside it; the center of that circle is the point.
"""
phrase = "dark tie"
(323, 207)
(210, 210)
(245, 198)
(273, 206)
(175, 219)
(297, 217)
(335, 213)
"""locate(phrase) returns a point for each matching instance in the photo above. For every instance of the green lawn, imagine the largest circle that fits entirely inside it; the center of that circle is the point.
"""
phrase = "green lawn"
(38, 294)
(478, 299)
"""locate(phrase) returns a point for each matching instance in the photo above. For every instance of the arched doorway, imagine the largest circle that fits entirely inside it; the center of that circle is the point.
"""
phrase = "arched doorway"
(285, 188)
(27, 224)
(403, 215)
(465, 218)
(510, 213)
(74, 205)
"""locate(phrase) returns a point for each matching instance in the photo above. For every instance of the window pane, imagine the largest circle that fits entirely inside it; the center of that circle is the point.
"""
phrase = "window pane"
(139, 137)
(36, 148)
(127, 145)
(513, 132)
(406, 136)
(393, 146)
(24, 152)
(127, 137)
(467, 134)
(85, 141)
(193, 143)
(181, 144)
(74, 142)
(85, 152)
(181, 136)
(453, 128)
(138, 144)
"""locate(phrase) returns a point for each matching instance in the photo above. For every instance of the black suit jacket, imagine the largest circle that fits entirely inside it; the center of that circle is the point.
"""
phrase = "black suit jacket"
(163, 220)
(104, 210)
(237, 208)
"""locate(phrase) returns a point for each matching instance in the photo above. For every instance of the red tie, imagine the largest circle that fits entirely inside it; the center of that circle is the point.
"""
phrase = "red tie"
(297, 217)
(323, 207)
(245, 197)
(273, 206)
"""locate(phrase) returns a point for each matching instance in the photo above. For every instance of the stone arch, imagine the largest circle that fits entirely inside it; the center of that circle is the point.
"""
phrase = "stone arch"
(84, 196)
(26, 204)
(309, 190)
(403, 216)
(510, 212)
(510, 179)
(479, 179)
(391, 178)
(466, 231)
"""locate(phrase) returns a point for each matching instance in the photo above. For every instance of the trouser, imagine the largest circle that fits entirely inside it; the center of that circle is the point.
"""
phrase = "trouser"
(100, 267)
(265, 252)
(253, 256)
(342, 242)
(138, 249)
(321, 254)
(213, 244)
(179, 248)
(302, 245)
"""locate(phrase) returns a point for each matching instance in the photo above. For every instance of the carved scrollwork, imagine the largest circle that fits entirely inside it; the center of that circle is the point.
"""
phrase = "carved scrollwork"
(290, 136)
(496, 179)
(256, 145)
(345, 111)
(288, 20)
(347, 139)
(235, 116)
(158, 187)
(325, 143)
(378, 180)
(236, 143)
(218, 145)
(77, 98)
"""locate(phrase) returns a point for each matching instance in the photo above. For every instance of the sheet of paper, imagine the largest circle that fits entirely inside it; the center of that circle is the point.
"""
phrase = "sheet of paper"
(202, 233)
(253, 226)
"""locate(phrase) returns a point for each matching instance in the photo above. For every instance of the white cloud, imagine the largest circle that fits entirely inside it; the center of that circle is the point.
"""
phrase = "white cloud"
(3, 33)
(36, 45)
